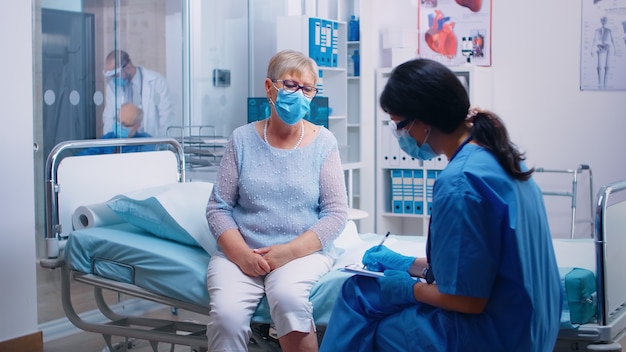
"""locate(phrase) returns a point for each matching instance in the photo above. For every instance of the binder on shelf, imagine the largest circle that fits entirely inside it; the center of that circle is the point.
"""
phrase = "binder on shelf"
(320, 83)
(395, 153)
(335, 45)
(407, 191)
(439, 162)
(405, 159)
(389, 146)
(396, 191)
(315, 40)
(325, 43)
(418, 192)
(431, 176)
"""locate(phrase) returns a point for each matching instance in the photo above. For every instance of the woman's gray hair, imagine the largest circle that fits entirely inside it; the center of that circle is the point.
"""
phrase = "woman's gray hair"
(290, 61)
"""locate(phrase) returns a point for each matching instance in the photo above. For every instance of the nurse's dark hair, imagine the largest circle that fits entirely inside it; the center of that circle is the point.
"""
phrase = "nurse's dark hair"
(426, 90)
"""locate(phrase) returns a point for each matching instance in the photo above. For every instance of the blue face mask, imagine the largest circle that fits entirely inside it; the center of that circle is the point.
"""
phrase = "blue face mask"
(409, 145)
(292, 107)
(122, 131)
(120, 81)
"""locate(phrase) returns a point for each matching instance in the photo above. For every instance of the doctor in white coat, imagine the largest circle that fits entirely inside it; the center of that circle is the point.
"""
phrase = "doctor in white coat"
(127, 83)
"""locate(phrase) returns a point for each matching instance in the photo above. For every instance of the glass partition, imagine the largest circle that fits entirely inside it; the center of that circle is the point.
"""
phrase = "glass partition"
(183, 63)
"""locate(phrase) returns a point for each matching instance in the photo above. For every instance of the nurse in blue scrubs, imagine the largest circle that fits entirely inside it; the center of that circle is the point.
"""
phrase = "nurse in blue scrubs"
(489, 281)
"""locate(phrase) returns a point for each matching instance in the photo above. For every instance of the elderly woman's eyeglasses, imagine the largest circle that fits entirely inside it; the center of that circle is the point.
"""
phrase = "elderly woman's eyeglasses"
(293, 86)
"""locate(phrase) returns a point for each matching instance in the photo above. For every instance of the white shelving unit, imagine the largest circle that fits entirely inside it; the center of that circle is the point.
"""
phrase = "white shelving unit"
(343, 92)
(403, 184)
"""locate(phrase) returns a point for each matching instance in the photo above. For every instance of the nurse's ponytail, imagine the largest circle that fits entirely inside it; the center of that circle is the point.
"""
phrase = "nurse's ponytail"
(489, 131)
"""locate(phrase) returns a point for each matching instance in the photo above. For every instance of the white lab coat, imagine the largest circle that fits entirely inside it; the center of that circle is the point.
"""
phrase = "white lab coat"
(156, 102)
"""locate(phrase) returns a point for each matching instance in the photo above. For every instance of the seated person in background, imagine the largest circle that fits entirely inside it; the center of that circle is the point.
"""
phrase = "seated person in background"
(127, 126)
(127, 83)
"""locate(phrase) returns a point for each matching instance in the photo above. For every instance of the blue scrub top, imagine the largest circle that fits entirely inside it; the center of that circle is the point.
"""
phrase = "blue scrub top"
(490, 238)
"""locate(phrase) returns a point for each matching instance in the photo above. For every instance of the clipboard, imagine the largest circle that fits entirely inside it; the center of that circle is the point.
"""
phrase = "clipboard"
(359, 269)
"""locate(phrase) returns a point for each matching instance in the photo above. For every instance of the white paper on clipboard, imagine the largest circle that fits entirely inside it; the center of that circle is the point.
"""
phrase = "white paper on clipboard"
(360, 270)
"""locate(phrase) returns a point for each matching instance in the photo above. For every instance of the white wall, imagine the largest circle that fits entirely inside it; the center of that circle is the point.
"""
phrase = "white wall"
(18, 296)
(536, 56)
(535, 64)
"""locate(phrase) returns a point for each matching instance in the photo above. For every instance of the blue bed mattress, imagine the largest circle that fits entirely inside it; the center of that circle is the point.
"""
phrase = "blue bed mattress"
(125, 253)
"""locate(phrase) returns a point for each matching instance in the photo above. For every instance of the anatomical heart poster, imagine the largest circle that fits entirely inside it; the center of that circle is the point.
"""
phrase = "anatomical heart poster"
(455, 32)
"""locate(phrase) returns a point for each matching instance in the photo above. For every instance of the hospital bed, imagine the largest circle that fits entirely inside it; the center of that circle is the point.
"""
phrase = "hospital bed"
(162, 256)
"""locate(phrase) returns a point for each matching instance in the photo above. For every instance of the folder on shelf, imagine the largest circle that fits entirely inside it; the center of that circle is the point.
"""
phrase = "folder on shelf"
(388, 146)
(431, 176)
(395, 153)
(407, 191)
(315, 39)
(418, 192)
(397, 205)
(335, 45)
(320, 83)
(325, 43)
(439, 162)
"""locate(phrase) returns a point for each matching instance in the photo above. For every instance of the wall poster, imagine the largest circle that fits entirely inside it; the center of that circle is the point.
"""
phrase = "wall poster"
(603, 45)
(455, 32)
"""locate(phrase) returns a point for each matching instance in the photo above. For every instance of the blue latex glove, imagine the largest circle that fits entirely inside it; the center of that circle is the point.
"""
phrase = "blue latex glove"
(396, 287)
(381, 258)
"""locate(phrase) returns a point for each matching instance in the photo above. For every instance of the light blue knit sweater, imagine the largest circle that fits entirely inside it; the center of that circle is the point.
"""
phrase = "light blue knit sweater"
(273, 195)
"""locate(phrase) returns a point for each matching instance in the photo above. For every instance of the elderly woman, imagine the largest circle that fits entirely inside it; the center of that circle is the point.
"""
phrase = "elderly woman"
(278, 204)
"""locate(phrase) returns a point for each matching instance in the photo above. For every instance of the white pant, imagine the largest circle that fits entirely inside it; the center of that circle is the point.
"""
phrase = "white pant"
(234, 297)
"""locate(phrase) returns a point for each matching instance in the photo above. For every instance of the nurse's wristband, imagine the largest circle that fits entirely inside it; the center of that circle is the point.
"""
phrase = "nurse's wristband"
(427, 274)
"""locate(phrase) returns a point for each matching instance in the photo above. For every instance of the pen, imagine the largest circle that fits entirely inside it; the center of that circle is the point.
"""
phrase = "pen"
(383, 240)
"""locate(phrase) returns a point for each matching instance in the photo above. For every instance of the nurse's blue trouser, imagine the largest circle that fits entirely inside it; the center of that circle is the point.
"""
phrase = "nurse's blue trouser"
(362, 321)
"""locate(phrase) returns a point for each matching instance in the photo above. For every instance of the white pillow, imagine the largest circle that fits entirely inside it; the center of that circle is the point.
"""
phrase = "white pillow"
(349, 237)
(175, 211)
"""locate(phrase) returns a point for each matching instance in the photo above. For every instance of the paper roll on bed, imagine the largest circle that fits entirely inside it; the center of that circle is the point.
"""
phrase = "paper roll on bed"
(99, 214)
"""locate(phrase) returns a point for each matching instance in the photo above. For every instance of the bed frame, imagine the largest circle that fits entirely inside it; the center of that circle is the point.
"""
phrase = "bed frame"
(168, 166)
(610, 241)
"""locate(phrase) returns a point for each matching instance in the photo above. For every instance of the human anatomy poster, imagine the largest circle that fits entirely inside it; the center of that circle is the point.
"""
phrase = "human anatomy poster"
(455, 32)
(603, 45)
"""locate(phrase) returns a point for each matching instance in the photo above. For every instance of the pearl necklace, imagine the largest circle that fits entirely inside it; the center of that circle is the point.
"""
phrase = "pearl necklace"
(299, 139)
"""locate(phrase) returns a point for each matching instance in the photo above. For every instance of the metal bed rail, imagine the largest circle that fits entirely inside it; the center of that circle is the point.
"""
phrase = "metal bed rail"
(53, 230)
(610, 325)
(573, 194)
(155, 331)
(601, 241)
(202, 146)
